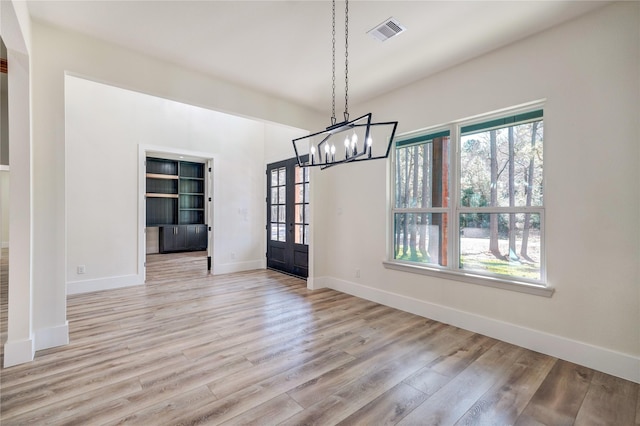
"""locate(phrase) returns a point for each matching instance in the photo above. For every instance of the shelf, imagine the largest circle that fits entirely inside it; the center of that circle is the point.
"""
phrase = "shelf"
(158, 195)
(191, 170)
(175, 192)
(162, 166)
(159, 176)
(162, 211)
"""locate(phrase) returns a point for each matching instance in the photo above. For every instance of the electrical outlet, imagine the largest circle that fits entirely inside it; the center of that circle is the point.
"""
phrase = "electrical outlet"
(232, 256)
(357, 272)
(82, 269)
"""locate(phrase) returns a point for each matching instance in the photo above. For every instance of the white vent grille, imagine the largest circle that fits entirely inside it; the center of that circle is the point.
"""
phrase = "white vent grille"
(389, 28)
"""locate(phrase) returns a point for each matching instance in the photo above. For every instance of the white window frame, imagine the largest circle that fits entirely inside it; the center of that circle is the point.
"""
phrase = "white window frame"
(452, 271)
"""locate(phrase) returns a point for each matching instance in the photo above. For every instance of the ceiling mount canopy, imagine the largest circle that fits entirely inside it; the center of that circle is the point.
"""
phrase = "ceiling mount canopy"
(347, 141)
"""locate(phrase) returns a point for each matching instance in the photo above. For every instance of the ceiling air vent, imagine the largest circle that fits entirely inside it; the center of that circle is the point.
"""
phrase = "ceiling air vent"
(389, 28)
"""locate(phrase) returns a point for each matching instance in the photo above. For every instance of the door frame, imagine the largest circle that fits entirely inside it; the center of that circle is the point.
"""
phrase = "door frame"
(181, 155)
(289, 244)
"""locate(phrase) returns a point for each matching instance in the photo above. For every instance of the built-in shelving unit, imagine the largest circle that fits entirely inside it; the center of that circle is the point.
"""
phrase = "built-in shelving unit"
(191, 193)
(175, 193)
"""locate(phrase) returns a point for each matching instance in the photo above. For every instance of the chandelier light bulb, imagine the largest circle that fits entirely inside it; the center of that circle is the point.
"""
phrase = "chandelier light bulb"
(354, 144)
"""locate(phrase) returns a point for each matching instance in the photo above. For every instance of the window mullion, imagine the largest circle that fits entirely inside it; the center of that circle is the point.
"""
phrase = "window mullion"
(523, 209)
(421, 210)
(454, 199)
(391, 219)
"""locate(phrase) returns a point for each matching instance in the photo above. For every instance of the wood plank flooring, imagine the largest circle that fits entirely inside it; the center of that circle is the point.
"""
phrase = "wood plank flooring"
(259, 348)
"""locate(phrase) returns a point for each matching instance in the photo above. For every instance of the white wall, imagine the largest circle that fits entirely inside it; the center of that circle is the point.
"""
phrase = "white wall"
(4, 208)
(4, 116)
(277, 142)
(4, 157)
(105, 125)
(588, 71)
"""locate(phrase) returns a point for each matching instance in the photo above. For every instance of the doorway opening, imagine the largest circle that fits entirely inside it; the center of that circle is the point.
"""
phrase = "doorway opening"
(177, 214)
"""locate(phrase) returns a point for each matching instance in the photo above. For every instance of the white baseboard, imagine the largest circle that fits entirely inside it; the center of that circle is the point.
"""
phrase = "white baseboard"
(229, 268)
(18, 352)
(311, 284)
(98, 284)
(595, 357)
(51, 337)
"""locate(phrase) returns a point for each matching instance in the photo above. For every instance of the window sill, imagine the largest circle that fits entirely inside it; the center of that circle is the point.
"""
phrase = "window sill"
(521, 287)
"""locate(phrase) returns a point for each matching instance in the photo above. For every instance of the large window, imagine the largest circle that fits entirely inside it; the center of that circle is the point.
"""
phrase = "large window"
(468, 199)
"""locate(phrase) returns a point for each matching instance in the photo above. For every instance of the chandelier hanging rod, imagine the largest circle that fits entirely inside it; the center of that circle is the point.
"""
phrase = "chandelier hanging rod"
(321, 152)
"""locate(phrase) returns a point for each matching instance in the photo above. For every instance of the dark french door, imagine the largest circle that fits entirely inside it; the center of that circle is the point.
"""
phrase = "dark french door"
(288, 218)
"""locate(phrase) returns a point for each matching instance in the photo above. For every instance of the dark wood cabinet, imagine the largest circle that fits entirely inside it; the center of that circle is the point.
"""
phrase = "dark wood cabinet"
(183, 238)
(175, 198)
(172, 238)
(196, 237)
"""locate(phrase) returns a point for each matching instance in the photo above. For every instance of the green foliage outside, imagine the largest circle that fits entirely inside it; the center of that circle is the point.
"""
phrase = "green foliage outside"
(488, 263)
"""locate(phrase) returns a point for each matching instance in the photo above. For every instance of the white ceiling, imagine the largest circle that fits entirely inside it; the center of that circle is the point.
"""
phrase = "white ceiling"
(283, 48)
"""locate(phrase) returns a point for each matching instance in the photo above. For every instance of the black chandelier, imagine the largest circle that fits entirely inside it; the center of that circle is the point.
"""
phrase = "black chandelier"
(350, 140)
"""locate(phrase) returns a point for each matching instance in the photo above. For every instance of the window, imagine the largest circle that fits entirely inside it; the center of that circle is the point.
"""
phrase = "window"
(468, 199)
(421, 214)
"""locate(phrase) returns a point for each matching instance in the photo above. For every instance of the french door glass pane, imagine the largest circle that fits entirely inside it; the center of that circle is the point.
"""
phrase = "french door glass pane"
(302, 175)
(502, 244)
(421, 237)
(278, 207)
(299, 237)
(301, 208)
(302, 234)
(299, 193)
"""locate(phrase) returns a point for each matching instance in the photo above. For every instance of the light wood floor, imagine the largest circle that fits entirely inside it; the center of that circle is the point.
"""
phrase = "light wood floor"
(259, 348)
